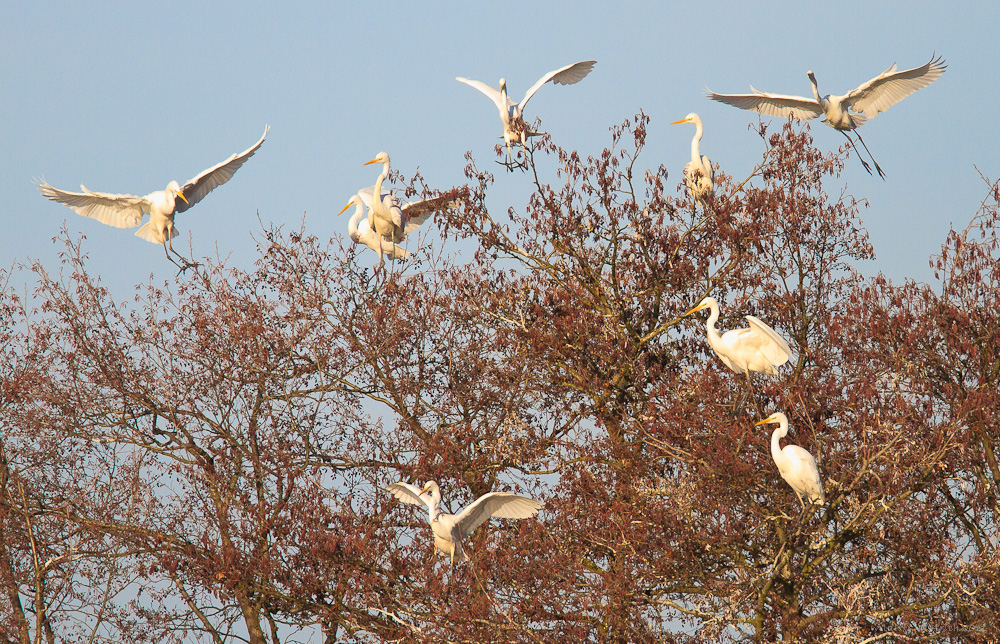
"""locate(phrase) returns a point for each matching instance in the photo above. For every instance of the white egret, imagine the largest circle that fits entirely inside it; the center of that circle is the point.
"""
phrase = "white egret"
(450, 529)
(389, 216)
(847, 112)
(515, 130)
(361, 231)
(126, 211)
(758, 348)
(698, 173)
(796, 465)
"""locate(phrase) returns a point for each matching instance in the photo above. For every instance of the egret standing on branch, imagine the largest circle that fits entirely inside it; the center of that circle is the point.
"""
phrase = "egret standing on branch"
(877, 95)
(515, 130)
(698, 173)
(758, 348)
(126, 211)
(796, 465)
(450, 529)
(361, 232)
(390, 217)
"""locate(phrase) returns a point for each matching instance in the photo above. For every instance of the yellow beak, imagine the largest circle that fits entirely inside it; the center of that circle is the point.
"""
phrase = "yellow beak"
(181, 195)
(681, 121)
(349, 204)
(371, 162)
(769, 419)
(697, 308)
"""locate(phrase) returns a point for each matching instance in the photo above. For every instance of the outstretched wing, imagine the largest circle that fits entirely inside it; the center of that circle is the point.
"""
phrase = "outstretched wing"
(406, 493)
(196, 189)
(496, 504)
(494, 94)
(418, 212)
(120, 211)
(769, 343)
(890, 87)
(777, 105)
(563, 76)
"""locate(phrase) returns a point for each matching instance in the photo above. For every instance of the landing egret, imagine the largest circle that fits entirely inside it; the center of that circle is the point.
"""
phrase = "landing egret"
(390, 217)
(877, 95)
(758, 348)
(515, 130)
(126, 211)
(450, 529)
(698, 173)
(796, 465)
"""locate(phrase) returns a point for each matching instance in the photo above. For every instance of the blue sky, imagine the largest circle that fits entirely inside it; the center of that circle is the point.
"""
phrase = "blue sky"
(124, 97)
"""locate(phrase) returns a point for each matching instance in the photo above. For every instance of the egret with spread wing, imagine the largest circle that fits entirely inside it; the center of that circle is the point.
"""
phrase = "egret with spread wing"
(796, 465)
(390, 217)
(698, 173)
(126, 211)
(450, 529)
(758, 348)
(847, 112)
(515, 130)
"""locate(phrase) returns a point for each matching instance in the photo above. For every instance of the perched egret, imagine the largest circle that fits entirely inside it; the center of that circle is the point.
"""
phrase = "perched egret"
(877, 95)
(515, 130)
(390, 217)
(796, 465)
(758, 348)
(450, 529)
(126, 211)
(361, 231)
(698, 173)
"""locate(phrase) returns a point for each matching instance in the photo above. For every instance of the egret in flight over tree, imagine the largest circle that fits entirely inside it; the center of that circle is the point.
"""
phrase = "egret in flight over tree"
(698, 173)
(758, 348)
(126, 211)
(847, 112)
(450, 529)
(796, 465)
(515, 130)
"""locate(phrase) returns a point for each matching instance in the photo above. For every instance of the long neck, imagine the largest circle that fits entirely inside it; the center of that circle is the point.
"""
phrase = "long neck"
(815, 88)
(352, 225)
(695, 149)
(377, 197)
(714, 336)
(776, 437)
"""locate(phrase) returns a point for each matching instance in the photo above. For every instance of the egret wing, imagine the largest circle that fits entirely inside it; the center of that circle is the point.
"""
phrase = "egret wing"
(567, 75)
(890, 87)
(196, 189)
(778, 105)
(406, 493)
(772, 345)
(496, 504)
(806, 472)
(418, 212)
(494, 94)
(120, 211)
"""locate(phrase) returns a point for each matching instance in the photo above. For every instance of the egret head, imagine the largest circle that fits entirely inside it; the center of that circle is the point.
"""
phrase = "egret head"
(350, 203)
(812, 77)
(690, 118)
(431, 488)
(381, 157)
(708, 301)
(175, 188)
(776, 417)
(503, 85)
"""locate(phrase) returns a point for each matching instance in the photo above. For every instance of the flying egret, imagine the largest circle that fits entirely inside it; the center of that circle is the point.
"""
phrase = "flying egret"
(361, 232)
(390, 217)
(877, 95)
(698, 173)
(796, 465)
(758, 348)
(515, 130)
(450, 529)
(126, 211)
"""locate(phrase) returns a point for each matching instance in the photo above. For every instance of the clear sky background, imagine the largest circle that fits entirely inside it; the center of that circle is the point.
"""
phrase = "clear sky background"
(124, 97)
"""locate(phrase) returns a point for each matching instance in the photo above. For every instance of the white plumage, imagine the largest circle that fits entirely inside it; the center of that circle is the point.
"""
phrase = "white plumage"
(515, 130)
(699, 175)
(758, 348)
(795, 464)
(450, 529)
(126, 211)
(847, 112)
